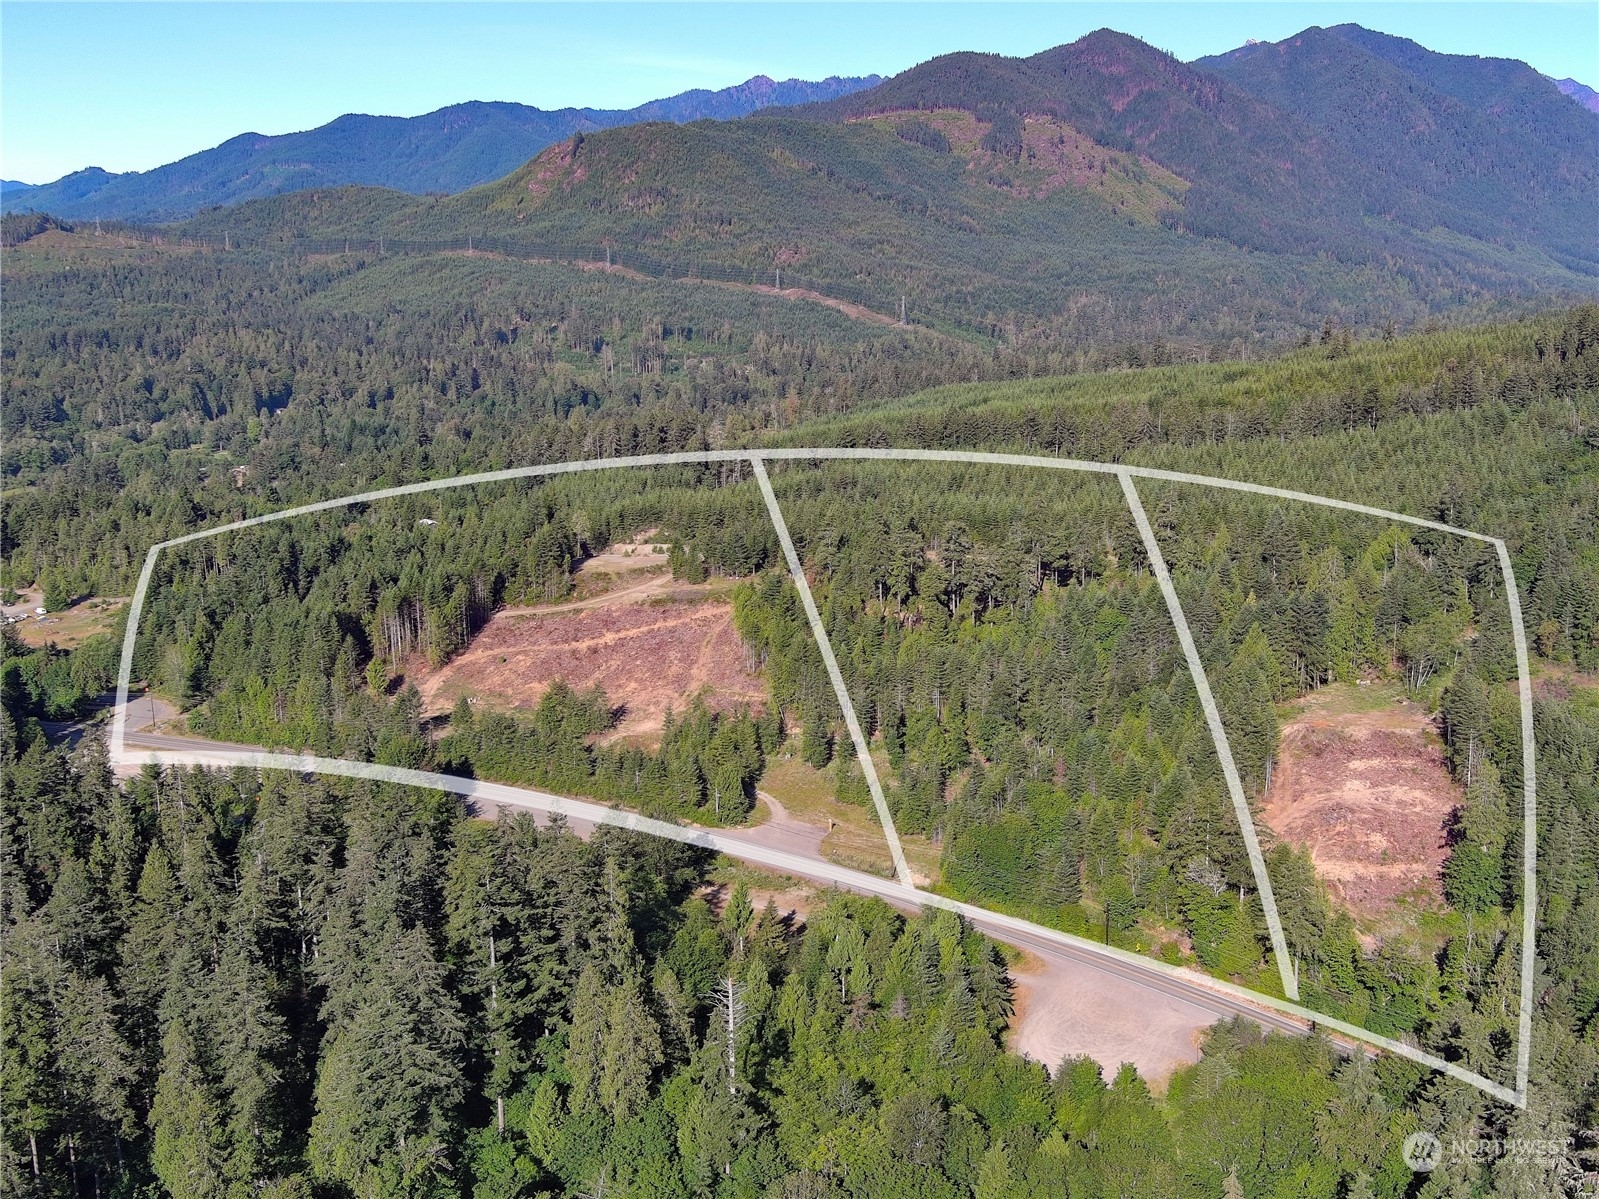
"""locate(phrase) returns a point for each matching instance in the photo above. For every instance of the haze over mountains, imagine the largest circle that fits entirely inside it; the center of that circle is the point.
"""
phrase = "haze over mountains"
(443, 151)
(1580, 92)
(1480, 146)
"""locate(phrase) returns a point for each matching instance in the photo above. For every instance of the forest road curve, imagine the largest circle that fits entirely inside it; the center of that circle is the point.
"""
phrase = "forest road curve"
(767, 846)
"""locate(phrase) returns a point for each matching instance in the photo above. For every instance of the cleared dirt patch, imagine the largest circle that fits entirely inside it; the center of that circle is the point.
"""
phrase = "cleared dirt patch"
(1064, 1008)
(1054, 156)
(1558, 681)
(650, 643)
(793, 902)
(1362, 783)
(806, 795)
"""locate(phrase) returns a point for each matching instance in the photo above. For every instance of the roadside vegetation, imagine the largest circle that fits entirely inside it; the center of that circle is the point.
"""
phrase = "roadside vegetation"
(292, 987)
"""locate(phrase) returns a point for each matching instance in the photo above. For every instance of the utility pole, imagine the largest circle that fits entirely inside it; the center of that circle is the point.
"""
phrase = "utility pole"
(779, 278)
(902, 310)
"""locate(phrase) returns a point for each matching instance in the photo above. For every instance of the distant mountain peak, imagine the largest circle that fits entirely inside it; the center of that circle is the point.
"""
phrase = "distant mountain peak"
(1580, 92)
(447, 150)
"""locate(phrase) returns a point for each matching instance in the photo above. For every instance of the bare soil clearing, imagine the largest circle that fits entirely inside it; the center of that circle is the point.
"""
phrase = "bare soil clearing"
(1362, 783)
(1056, 156)
(1557, 681)
(807, 796)
(1065, 1008)
(1061, 1007)
(794, 902)
(649, 642)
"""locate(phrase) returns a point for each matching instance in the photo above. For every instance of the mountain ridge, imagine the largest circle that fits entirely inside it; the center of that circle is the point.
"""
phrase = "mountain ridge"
(1485, 147)
(1580, 92)
(1100, 176)
(447, 150)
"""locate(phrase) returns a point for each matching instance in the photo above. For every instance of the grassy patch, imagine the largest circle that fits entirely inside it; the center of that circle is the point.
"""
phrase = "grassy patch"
(1346, 699)
(854, 839)
(729, 872)
(72, 627)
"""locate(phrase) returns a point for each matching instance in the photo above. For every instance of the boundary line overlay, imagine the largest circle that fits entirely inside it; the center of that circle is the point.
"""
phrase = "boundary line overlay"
(757, 457)
(1218, 734)
(863, 749)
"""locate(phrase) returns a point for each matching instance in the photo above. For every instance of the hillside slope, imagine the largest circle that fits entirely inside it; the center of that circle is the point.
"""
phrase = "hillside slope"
(1330, 141)
(1580, 92)
(1485, 147)
(1068, 238)
(443, 151)
(1092, 189)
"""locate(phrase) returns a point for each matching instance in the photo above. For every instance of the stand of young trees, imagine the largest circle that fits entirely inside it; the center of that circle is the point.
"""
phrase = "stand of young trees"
(154, 391)
(302, 636)
(1002, 635)
(1004, 641)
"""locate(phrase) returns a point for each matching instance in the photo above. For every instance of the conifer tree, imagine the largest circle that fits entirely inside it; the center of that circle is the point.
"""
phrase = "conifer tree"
(631, 1051)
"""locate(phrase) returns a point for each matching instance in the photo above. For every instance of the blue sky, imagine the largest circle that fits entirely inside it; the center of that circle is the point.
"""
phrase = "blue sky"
(131, 86)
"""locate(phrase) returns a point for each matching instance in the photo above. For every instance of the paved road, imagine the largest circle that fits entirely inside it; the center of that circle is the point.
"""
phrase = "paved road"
(1182, 995)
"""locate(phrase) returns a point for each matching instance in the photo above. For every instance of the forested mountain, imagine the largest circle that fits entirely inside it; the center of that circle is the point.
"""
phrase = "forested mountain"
(1485, 147)
(1580, 92)
(1308, 133)
(990, 192)
(444, 151)
(1258, 178)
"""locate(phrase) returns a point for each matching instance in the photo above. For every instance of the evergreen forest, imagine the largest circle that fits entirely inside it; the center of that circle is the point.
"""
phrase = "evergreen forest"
(232, 983)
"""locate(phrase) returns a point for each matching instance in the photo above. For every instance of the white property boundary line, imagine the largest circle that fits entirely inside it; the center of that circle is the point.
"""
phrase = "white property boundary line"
(863, 751)
(1218, 734)
(757, 459)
